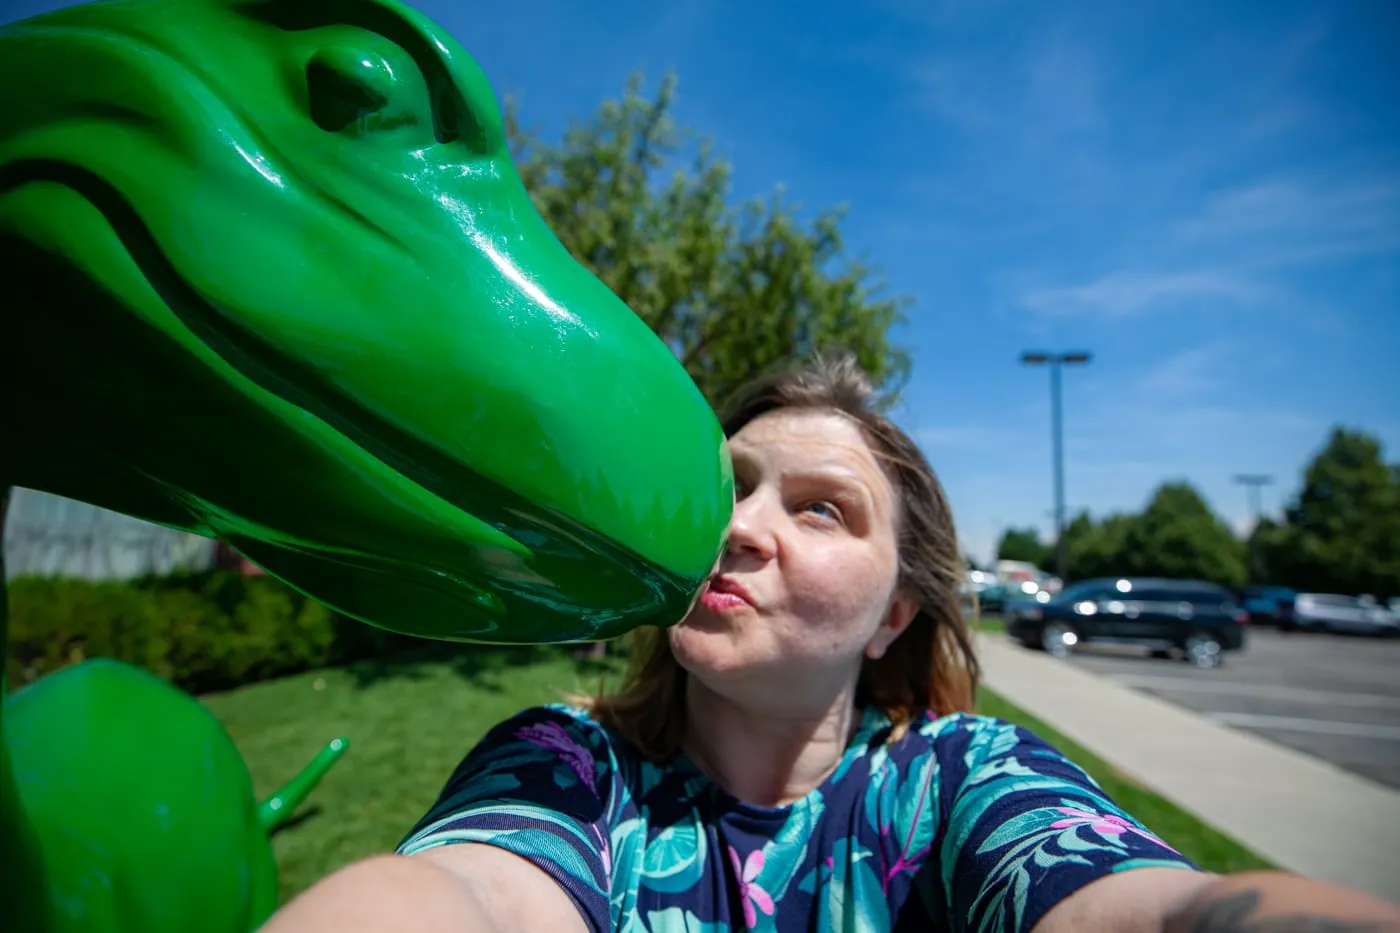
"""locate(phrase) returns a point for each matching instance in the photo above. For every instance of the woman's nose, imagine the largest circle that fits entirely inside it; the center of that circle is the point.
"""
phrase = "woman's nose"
(751, 528)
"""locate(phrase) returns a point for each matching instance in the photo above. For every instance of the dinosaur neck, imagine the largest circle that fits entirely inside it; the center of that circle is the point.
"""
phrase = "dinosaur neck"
(22, 890)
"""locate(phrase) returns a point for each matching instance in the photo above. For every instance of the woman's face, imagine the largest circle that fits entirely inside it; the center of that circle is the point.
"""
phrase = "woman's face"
(808, 583)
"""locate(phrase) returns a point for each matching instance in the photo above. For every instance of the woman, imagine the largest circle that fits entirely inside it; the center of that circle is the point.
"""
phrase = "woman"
(798, 753)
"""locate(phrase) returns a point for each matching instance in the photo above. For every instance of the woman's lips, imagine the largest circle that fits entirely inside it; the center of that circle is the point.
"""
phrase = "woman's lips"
(723, 594)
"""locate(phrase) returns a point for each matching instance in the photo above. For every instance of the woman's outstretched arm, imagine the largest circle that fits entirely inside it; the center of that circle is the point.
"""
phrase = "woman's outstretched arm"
(1033, 843)
(1171, 901)
(1279, 902)
(466, 888)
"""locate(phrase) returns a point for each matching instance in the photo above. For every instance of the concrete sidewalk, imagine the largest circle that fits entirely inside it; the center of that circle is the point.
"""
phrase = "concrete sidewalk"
(1299, 812)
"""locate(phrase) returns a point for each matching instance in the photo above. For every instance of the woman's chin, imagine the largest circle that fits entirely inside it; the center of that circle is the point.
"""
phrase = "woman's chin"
(703, 643)
(709, 646)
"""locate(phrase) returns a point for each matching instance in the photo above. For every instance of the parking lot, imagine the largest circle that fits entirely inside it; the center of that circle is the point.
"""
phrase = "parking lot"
(1332, 696)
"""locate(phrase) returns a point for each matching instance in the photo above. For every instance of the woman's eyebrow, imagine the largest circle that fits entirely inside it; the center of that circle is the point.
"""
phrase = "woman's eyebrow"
(841, 476)
(837, 473)
(740, 460)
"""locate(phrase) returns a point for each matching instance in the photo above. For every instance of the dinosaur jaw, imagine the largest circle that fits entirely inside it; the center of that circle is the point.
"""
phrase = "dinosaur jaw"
(350, 507)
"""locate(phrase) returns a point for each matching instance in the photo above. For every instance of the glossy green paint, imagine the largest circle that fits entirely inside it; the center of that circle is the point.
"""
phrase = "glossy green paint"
(277, 809)
(269, 276)
(145, 807)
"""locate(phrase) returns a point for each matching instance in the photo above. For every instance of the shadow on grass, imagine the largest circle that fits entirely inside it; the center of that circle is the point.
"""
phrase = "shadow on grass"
(307, 812)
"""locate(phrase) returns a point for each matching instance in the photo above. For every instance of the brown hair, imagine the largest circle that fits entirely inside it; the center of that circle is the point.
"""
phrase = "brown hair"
(931, 666)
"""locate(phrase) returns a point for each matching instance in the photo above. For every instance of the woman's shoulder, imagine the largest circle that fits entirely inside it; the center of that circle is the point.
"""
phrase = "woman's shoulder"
(963, 743)
(568, 715)
(557, 726)
(570, 731)
(943, 729)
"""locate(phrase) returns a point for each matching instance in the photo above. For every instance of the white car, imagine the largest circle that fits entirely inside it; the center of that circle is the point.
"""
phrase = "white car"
(1335, 613)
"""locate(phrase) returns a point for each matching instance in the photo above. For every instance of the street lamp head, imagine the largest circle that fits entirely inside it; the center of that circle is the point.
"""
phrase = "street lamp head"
(1037, 356)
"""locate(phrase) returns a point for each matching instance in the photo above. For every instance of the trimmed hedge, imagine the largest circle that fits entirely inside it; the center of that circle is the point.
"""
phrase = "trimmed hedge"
(203, 632)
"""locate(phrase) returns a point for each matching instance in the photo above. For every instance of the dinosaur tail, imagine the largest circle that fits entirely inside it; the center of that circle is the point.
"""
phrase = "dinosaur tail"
(275, 810)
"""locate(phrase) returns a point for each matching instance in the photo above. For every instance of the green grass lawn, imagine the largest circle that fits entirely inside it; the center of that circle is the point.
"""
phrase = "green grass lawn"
(410, 722)
(990, 624)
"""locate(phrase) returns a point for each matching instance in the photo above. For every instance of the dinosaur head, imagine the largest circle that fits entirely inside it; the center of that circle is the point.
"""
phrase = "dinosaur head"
(271, 277)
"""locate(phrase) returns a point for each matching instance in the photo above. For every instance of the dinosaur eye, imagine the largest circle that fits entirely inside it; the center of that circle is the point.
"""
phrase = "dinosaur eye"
(351, 89)
(383, 67)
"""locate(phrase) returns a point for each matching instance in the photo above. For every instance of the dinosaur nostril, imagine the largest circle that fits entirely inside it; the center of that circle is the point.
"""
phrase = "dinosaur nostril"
(346, 85)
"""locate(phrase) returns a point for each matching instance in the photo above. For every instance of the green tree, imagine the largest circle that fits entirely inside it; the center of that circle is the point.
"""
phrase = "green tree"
(732, 289)
(1098, 549)
(1341, 533)
(1178, 536)
(1025, 544)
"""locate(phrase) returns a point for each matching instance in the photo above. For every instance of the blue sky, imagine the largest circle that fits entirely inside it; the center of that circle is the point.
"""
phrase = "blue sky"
(1206, 196)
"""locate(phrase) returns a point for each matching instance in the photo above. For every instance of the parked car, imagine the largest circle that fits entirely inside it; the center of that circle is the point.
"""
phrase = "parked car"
(1199, 619)
(1335, 613)
(1269, 605)
(995, 597)
(975, 583)
(978, 580)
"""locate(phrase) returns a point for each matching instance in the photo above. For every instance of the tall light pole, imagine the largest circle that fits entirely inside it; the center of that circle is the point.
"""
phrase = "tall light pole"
(1252, 482)
(1055, 361)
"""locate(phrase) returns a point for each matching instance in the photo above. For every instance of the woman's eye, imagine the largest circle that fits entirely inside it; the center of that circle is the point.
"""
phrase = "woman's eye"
(825, 509)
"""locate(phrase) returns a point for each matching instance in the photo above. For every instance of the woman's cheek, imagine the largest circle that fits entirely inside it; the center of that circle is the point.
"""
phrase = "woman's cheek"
(839, 593)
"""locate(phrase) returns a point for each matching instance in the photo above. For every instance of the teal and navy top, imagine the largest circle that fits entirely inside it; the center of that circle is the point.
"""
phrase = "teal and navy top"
(963, 823)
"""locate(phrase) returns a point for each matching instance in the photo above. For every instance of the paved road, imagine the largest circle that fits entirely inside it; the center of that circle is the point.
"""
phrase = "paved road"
(1333, 696)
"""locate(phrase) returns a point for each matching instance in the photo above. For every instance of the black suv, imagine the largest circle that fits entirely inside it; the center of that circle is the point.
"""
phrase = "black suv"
(1199, 619)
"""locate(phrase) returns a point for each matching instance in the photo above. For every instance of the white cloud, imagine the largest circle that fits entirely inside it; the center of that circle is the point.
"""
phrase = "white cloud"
(1119, 294)
(1190, 372)
(1362, 205)
(1293, 219)
(1247, 235)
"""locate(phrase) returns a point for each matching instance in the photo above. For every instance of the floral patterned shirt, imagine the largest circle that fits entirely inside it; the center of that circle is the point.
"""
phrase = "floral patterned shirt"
(964, 823)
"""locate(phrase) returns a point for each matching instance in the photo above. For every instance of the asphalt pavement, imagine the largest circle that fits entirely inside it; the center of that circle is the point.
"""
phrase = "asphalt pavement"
(1335, 697)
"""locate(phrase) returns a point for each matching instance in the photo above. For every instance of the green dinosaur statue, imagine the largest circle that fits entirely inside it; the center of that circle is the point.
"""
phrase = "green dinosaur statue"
(270, 276)
(144, 806)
